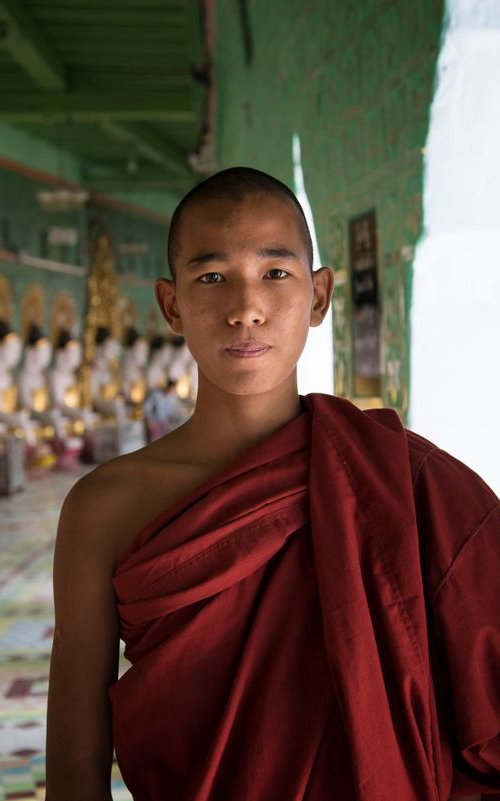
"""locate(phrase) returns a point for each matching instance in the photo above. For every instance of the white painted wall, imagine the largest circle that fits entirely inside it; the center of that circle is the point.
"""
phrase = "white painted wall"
(315, 367)
(455, 371)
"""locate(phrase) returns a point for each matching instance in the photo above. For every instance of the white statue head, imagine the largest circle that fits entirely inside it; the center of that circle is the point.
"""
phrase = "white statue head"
(38, 349)
(180, 363)
(10, 347)
(136, 346)
(107, 347)
(161, 351)
(43, 351)
(141, 351)
(68, 353)
(111, 349)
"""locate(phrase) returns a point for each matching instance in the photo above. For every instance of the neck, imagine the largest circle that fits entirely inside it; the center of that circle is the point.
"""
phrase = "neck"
(223, 426)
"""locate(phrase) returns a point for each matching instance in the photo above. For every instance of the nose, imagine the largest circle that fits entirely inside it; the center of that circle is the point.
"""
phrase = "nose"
(246, 308)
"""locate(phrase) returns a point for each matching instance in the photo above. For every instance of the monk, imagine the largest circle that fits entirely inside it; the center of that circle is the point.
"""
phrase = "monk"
(309, 594)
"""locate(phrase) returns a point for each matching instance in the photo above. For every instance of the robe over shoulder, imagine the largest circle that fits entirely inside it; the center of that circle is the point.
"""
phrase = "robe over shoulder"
(321, 620)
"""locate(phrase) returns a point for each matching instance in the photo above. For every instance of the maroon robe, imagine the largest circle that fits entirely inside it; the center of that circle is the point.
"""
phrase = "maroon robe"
(318, 622)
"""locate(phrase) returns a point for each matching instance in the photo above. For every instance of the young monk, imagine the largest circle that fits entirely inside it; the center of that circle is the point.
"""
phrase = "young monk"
(308, 593)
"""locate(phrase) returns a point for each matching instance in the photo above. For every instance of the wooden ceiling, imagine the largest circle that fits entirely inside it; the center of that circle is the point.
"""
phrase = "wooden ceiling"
(118, 83)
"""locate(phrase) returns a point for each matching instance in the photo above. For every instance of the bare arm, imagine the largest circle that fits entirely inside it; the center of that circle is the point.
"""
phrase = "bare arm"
(85, 651)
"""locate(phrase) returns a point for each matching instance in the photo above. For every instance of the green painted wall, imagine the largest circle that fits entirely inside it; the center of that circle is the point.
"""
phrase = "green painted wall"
(21, 146)
(159, 202)
(354, 80)
(23, 229)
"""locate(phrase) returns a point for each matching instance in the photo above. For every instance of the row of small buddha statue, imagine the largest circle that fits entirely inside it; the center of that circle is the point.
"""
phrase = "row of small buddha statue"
(45, 398)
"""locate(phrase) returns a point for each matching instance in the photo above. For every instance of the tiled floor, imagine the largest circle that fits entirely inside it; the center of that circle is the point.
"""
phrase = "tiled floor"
(28, 522)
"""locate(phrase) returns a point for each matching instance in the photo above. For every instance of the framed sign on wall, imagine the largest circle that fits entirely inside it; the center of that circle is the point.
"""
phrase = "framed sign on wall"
(363, 259)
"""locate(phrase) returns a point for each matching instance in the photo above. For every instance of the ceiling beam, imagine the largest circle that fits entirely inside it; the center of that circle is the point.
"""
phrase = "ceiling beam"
(98, 13)
(149, 145)
(143, 181)
(167, 106)
(177, 6)
(22, 40)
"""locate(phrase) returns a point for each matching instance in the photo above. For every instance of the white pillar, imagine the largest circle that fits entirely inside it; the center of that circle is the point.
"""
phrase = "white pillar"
(455, 322)
(315, 367)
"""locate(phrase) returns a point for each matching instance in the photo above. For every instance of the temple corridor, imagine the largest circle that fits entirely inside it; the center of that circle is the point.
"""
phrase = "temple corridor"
(381, 118)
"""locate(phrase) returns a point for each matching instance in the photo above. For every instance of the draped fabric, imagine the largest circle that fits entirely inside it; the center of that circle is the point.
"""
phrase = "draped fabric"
(292, 631)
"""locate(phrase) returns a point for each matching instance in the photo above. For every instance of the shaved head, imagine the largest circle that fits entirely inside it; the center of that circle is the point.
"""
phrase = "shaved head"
(235, 184)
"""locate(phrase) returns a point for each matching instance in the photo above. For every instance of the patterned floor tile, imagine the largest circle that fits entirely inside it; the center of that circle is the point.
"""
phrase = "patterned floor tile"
(28, 522)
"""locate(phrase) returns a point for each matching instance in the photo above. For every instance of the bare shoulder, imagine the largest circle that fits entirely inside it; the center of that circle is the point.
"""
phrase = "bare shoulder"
(114, 501)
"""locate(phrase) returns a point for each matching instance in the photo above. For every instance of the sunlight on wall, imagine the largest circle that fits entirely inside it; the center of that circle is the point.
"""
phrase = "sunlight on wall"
(455, 375)
(315, 367)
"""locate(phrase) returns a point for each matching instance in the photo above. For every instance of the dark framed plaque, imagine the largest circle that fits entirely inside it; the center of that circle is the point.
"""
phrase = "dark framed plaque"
(363, 256)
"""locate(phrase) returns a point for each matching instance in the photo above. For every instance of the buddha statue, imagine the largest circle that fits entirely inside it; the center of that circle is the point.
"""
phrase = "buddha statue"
(34, 399)
(10, 354)
(69, 417)
(133, 368)
(183, 370)
(169, 402)
(12, 420)
(105, 381)
(33, 389)
(161, 355)
(64, 388)
(16, 429)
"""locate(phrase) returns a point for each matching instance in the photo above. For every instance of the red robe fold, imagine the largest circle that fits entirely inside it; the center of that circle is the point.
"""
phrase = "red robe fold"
(318, 622)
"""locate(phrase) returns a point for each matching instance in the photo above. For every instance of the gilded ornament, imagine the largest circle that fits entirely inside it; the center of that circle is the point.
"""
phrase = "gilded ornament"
(32, 309)
(5, 300)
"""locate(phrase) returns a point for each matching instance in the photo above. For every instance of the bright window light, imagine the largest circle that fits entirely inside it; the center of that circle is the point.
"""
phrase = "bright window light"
(315, 367)
(455, 365)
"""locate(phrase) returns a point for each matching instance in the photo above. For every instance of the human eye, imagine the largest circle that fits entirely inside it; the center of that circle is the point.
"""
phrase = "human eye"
(272, 273)
(210, 278)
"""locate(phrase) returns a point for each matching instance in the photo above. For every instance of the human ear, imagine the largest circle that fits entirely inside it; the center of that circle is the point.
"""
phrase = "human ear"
(165, 297)
(323, 281)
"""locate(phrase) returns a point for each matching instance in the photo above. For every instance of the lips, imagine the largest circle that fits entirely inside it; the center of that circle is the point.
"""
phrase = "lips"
(248, 346)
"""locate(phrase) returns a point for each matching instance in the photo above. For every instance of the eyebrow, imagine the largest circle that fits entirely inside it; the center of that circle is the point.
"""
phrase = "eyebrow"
(202, 258)
(265, 253)
(276, 253)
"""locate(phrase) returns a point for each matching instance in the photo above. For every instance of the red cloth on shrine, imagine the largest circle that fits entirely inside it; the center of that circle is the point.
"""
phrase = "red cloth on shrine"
(321, 620)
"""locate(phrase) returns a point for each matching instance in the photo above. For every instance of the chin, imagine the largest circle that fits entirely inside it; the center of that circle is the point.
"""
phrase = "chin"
(241, 385)
(245, 382)
(248, 388)
(255, 385)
